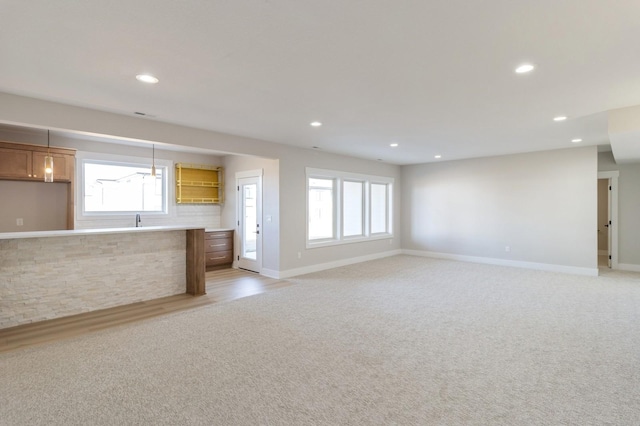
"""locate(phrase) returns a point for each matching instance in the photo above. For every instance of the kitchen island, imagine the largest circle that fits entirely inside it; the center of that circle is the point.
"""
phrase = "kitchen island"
(53, 274)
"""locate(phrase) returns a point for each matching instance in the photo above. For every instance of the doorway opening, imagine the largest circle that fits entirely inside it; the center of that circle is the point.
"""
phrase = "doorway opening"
(608, 220)
(249, 220)
(604, 236)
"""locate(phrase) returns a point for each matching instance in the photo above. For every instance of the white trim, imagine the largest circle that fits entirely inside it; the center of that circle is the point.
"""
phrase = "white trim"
(339, 177)
(348, 240)
(94, 157)
(628, 267)
(504, 262)
(250, 173)
(613, 181)
(329, 265)
(332, 174)
(610, 174)
(271, 273)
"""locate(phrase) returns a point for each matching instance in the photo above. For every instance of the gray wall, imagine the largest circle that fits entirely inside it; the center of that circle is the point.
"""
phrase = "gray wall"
(293, 208)
(628, 207)
(41, 206)
(284, 199)
(542, 205)
(196, 215)
(270, 203)
(291, 226)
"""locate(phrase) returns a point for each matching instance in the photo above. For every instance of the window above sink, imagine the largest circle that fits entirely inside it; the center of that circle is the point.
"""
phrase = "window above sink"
(112, 188)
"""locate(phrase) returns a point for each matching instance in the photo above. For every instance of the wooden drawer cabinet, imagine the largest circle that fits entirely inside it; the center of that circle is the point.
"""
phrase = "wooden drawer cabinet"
(218, 249)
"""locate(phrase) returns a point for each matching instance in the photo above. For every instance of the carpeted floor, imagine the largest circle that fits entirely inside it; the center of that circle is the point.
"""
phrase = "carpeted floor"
(404, 340)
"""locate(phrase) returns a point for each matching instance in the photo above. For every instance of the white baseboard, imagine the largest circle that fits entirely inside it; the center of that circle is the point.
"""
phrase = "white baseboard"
(505, 262)
(271, 273)
(628, 267)
(329, 265)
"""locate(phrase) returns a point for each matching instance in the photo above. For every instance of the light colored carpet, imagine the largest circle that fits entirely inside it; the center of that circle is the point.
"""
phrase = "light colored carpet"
(403, 340)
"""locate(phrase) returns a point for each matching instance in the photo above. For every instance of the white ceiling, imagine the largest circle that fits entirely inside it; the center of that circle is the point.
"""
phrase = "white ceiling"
(437, 77)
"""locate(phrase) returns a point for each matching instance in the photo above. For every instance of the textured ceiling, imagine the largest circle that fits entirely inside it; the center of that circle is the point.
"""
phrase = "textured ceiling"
(437, 77)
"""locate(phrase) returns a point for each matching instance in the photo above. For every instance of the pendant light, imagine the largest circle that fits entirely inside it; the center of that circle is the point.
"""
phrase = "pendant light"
(48, 162)
(153, 161)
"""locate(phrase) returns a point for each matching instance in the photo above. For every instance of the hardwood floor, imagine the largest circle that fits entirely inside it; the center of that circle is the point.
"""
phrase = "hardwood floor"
(222, 285)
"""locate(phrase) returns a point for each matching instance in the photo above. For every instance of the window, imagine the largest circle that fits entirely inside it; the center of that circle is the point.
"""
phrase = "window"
(320, 209)
(379, 205)
(352, 208)
(111, 188)
(347, 207)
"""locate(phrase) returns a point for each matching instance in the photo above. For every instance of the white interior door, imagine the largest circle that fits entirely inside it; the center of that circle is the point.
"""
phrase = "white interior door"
(249, 223)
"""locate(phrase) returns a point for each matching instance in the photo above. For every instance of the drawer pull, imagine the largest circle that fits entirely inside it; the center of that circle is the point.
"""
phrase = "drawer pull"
(220, 257)
(217, 245)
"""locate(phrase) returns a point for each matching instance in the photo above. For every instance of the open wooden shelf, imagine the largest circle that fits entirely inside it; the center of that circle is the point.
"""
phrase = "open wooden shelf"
(199, 184)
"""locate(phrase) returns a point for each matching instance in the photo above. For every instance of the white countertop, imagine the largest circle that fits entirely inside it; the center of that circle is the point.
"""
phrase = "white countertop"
(100, 231)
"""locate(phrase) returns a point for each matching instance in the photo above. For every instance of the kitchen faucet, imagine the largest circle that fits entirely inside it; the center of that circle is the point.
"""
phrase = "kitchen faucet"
(138, 220)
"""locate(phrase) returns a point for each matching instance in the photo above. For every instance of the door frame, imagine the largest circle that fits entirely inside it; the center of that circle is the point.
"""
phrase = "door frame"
(257, 173)
(612, 176)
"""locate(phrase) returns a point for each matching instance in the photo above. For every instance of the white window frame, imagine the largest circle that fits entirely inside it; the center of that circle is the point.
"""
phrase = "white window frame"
(339, 177)
(336, 225)
(388, 205)
(364, 209)
(96, 158)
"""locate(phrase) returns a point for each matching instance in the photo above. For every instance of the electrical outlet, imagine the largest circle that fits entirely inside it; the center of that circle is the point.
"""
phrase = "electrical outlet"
(507, 248)
(299, 255)
(19, 221)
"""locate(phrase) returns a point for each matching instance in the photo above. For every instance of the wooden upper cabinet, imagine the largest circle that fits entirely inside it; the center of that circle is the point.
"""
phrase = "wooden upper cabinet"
(62, 166)
(15, 163)
(26, 162)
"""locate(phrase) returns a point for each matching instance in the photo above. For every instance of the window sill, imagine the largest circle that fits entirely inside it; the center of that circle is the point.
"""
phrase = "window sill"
(329, 243)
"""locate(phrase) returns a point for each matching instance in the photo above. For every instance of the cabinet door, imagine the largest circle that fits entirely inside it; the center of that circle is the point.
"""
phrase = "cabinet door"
(63, 166)
(15, 163)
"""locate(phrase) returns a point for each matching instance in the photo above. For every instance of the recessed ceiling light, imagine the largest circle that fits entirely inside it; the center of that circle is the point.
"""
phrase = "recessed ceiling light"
(524, 68)
(147, 78)
(437, 156)
(393, 145)
(576, 140)
(560, 118)
(316, 123)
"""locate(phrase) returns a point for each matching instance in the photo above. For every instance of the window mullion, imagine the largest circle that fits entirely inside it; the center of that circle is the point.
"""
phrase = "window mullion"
(337, 212)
